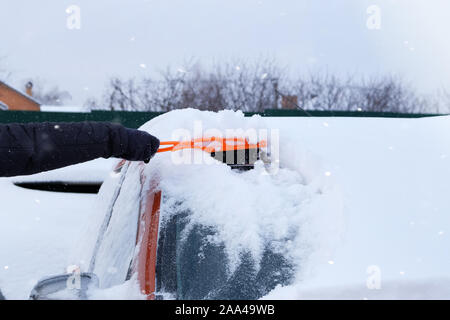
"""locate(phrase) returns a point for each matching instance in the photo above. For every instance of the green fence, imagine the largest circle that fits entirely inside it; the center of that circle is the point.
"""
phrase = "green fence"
(128, 119)
(351, 114)
(136, 119)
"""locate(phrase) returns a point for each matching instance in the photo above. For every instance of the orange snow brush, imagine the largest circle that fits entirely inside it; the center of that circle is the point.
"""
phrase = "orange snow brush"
(238, 153)
(212, 144)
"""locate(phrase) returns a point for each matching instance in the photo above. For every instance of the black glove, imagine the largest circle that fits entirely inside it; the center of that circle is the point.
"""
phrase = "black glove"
(142, 146)
(36, 147)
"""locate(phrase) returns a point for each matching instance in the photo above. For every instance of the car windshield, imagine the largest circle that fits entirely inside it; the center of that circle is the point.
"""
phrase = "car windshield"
(191, 266)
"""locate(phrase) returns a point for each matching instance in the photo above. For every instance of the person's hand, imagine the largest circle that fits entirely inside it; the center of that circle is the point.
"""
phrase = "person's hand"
(142, 146)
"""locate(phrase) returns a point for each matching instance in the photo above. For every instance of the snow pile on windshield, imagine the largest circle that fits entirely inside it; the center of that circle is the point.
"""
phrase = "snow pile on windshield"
(297, 209)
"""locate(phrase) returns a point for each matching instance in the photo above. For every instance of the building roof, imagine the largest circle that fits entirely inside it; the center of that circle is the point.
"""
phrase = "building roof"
(21, 93)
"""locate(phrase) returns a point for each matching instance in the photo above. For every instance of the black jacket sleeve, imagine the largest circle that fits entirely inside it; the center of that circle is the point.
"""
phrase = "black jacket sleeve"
(31, 148)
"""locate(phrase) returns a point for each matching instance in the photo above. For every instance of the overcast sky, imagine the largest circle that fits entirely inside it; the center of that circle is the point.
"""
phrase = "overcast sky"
(118, 37)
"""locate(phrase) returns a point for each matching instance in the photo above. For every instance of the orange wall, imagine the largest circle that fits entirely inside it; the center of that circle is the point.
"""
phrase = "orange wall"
(16, 101)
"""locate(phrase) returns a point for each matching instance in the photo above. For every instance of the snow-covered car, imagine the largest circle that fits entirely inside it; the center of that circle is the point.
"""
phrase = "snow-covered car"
(149, 237)
(205, 229)
(350, 215)
(174, 258)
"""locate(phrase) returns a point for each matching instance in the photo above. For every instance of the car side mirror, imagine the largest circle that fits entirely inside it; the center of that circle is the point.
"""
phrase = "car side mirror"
(71, 286)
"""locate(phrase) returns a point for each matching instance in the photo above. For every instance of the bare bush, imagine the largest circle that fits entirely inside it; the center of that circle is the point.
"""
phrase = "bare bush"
(384, 94)
(442, 101)
(255, 87)
(122, 95)
(388, 94)
(322, 91)
(237, 86)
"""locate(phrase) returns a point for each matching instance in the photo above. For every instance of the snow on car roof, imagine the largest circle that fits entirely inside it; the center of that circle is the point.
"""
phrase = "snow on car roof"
(94, 171)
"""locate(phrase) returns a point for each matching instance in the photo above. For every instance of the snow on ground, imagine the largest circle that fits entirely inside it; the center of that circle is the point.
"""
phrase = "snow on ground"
(367, 197)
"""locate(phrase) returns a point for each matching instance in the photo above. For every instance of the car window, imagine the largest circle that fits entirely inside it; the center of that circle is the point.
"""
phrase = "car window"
(190, 266)
(117, 246)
